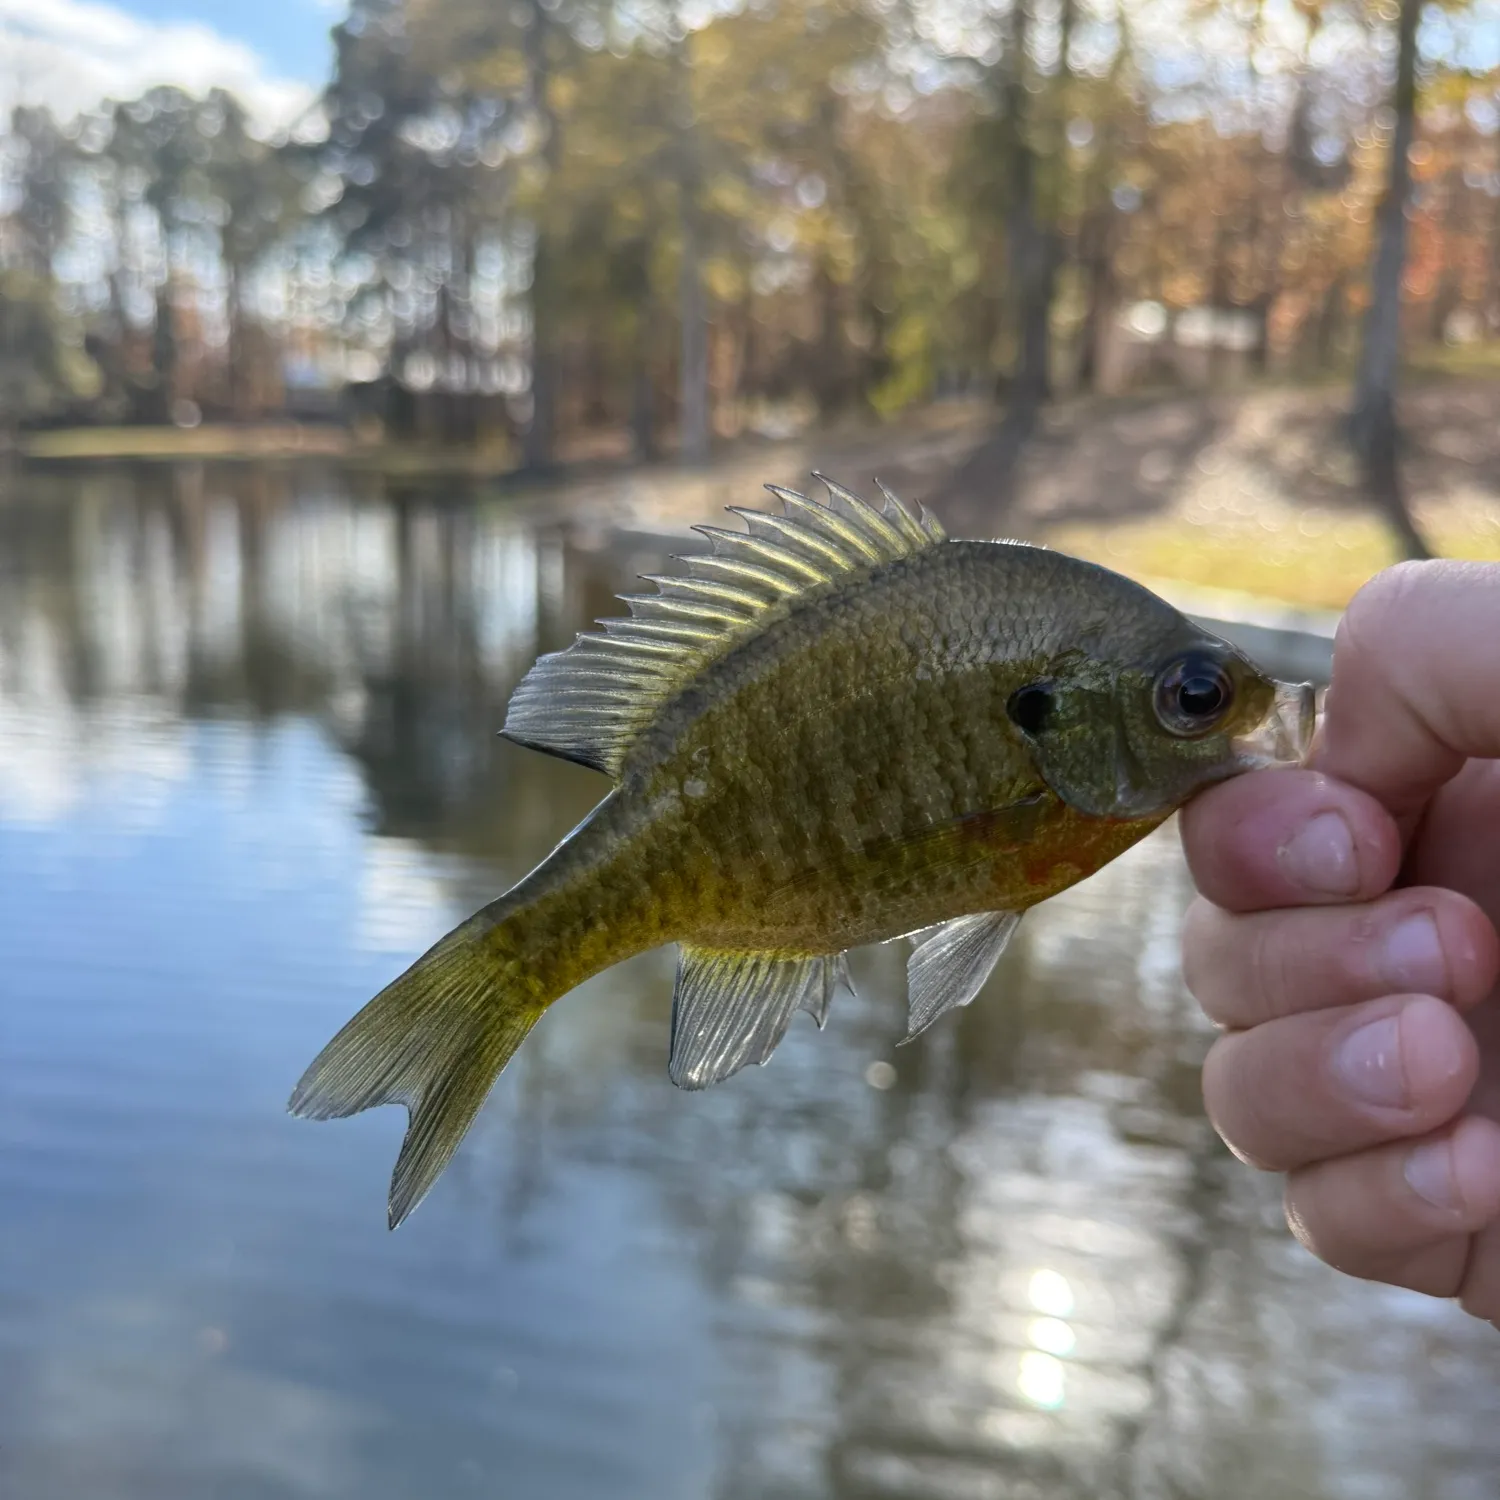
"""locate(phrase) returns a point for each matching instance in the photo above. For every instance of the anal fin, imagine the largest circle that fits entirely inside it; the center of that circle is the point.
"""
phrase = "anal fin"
(733, 1008)
(836, 973)
(951, 962)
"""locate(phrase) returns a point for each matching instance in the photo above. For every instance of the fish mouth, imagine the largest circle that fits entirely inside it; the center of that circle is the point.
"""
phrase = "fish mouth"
(1284, 736)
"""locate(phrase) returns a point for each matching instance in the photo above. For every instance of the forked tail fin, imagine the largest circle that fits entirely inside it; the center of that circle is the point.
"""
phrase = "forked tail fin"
(434, 1040)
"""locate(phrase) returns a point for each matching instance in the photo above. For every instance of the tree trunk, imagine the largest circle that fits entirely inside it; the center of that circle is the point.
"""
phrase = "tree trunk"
(1372, 423)
(1218, 294)
(1094, 256)
(1260, 308)
(540, 448)
(1102, 229)
(1446, 301)
(1033, 232)
(234, 343)
(1492, 279)
(830, 386)
(1449, 295)
(1035, 256)
(163, 355)
(456, 335)
(1329, 324)
(642, 397)
(693, 414)
(990, 471)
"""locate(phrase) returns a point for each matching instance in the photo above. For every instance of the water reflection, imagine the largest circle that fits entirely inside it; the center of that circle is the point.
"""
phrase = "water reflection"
(247, 769)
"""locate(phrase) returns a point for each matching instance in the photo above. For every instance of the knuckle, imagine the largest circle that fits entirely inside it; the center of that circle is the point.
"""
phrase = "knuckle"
(1378, 603)
(1271, 967)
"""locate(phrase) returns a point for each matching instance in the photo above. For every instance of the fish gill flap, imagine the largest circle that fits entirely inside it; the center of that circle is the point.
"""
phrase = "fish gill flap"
(951, 962)
(589, 702)
(730, 1009)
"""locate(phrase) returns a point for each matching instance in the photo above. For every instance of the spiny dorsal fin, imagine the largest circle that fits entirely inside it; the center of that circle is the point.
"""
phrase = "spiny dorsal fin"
(589, 703)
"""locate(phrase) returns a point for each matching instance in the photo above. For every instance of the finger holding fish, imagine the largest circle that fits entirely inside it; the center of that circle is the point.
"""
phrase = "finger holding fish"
(1248, 968)
(1294, 838)
(1310, 1087)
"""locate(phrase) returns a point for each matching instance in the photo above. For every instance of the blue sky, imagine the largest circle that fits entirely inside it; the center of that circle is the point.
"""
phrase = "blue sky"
(70, 54)
(290, 35)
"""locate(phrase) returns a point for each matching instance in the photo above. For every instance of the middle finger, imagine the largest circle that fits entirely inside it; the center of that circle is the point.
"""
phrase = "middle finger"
(1309, 1087)
(1253, 967)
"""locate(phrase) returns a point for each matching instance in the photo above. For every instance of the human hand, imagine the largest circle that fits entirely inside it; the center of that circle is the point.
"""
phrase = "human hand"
(1346, 938)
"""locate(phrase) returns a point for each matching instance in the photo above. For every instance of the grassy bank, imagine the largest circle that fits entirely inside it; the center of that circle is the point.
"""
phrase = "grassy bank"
(1311, 558)
(268, 440)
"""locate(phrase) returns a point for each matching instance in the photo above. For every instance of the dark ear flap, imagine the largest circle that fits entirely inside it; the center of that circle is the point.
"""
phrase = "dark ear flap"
(1075, 740)
(1078, 742)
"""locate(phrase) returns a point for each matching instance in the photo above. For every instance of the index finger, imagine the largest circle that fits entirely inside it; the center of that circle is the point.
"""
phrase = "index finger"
(1416, 682)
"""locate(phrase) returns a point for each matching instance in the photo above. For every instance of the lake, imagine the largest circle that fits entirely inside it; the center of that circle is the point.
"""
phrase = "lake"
(248, 770)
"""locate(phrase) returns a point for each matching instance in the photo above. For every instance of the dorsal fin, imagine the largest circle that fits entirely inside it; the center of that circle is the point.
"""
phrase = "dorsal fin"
(589, 702)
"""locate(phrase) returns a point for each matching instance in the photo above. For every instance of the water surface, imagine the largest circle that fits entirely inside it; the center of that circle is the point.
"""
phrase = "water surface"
(248, 770)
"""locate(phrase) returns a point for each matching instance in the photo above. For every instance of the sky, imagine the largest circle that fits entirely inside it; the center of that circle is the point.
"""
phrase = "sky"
(69, 54)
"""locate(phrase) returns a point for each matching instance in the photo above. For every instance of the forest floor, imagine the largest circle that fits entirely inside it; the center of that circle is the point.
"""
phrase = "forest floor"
(1249, 491)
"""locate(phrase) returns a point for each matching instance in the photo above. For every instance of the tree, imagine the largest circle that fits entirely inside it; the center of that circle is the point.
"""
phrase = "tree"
(252, 194)
(1032, 250)
(1372, 426)
(560, 219)
(413, 180)
(42, 159)
(43, 370)
(694, 418)
(543, 41)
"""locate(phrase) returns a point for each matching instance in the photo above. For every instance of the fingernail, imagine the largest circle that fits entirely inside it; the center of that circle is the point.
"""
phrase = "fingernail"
(1429, 1174)
(1320, 856)
(1412, 956)
(1368, 1063)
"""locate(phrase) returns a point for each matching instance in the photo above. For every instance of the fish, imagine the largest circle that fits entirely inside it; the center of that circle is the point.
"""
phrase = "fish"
(837, 726)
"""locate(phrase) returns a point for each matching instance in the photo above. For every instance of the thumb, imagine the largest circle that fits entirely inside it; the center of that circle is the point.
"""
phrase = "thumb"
(1416, 681)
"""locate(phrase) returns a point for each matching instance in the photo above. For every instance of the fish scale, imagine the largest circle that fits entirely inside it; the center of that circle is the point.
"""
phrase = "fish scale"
(815, 743)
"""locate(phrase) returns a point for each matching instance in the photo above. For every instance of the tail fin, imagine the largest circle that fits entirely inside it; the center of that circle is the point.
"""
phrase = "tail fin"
(434, 1040)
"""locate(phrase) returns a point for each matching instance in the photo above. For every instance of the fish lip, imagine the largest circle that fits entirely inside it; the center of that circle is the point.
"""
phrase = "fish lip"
(1284, 736)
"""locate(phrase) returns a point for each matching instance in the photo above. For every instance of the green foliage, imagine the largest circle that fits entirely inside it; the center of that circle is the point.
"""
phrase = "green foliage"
(43, 369)
(578, 216)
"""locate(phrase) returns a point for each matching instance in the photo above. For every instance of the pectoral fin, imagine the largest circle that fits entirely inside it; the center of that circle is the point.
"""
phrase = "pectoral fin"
(951, 962)
(730, 1009)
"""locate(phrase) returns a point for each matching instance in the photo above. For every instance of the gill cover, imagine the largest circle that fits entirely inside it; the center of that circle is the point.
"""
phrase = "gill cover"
(1111, 743)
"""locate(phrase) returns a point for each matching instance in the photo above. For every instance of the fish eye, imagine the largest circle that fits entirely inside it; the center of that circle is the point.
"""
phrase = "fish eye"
(1030, 707)
(1192, 695)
